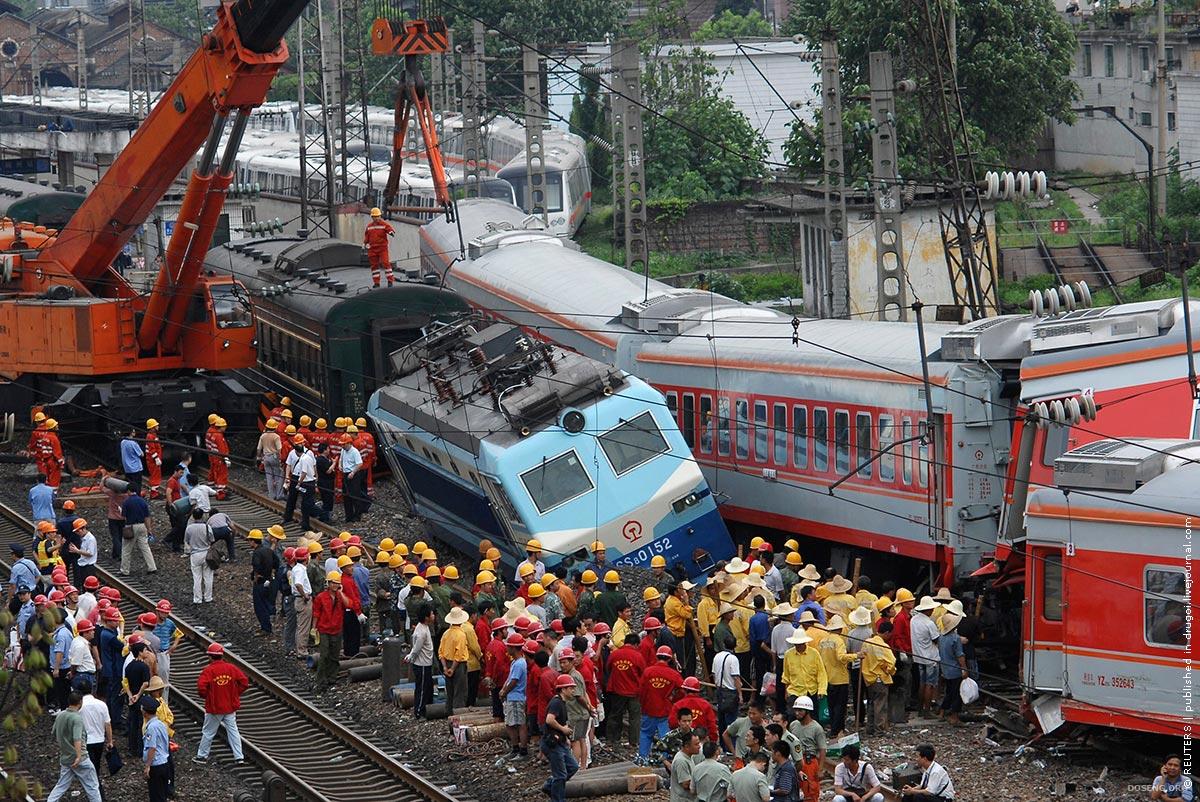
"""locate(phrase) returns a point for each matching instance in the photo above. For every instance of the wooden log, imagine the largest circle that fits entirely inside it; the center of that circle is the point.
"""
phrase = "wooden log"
(436, 711)
(487, 732)
(601, 786)
(470, 719)
(405, 698)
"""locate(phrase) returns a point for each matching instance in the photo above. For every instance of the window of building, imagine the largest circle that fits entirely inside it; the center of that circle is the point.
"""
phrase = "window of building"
(1128, 61)
(1170, 121)
(1170, 57)
(1166, 600)
(1144, 119)
(1052, 587)
(865, 451)
(689, 419)
(779, 424)
(707, 424)
(743, 428)
(556, 481)
(800, 437)
(820, 440)
(1087, 60)
(1131, 113)
(1144, 58)
(633, 443)
(1109, 61)
(760, 431)
(887, 462)
(841, 441)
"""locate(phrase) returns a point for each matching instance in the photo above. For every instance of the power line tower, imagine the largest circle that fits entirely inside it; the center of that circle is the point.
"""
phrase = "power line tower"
(139, 61)
(629, 177)
(964, 229)
(889, 234)
(834, 298)
(474, 96)
(355, 164)
(315, 123)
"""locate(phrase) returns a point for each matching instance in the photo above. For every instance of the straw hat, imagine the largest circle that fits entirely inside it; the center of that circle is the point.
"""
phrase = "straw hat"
(860, 617)
(457, 616)
(949, 622)
(839, 584)
(927, 604)
(725, 609)
(955, 607)
(737, 566)
(810, 572)
(783, 610)
(807, 617)
(754, 581)
(943, 595)
(833, 624)
(799, 637)
(515, 608)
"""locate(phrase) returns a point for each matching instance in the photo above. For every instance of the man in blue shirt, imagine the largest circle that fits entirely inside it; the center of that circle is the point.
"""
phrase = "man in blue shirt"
(353, 496)
(112, 665)
(760, 641)
(24, 613)
(131, 461)
(953, 665)
(41, 500)
(808, 603)
(60, 663)
(24, 571)
(136, 512)
(512, 695)
(786, 786)
(156, 750)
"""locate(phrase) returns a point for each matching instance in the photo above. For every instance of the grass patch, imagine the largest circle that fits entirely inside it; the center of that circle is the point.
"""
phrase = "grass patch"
(1018, 224)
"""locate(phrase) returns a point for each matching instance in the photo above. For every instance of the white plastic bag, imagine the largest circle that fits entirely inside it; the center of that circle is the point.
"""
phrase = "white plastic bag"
(768, 684)
(968, 690)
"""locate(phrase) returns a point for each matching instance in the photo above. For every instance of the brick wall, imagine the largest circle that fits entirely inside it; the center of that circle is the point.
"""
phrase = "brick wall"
(719, 227)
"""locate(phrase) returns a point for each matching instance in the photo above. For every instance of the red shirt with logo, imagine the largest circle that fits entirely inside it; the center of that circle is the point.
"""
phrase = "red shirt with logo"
(660, 685)
(222, 685)
(625, 668)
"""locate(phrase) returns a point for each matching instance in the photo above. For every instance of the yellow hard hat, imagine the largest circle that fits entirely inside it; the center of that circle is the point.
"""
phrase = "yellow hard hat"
(536, 591)
(612, 577)
(548, 579)
(387, 544)
(276, 531)
(597, 546)
(409, 569)
(272, 424)
(315, 547)
(38, 417)
(533, 545)
(151, 423)
(487, 565)
(286, 401)
(493, 554)
(376, 212)
(353, 551)
(589, 577)
(351, 428)
(333, 577)
(651, 593)
(287, 413)
(791, 545)
(51, 424)
(395, 561)
(213, 418)
(401, 549)
(658, 561)
(882, 603)
(419, 581)
(343, 561)
(483, 577)
(429, 554)
(420, 546)
(339, 423)
(254, 534)
(755, 542)
(321, 424)
(221, 423)
(451, 572)
(525, 570)
(292, 431)
(361, 423)
(904, 595)
(305, 420)
(757, 568)
(793, 558)
(382, 558)
(432, 570)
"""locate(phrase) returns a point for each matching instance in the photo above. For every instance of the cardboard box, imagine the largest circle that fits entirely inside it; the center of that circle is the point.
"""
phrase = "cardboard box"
(642, 780)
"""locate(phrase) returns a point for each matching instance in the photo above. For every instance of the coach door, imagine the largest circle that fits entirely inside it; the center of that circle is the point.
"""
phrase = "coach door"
(1044, 660)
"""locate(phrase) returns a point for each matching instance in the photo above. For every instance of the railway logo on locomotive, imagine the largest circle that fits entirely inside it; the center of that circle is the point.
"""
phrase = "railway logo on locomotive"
(632, 530)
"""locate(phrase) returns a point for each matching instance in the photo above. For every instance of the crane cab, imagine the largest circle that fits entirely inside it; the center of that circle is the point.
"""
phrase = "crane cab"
(219, 330)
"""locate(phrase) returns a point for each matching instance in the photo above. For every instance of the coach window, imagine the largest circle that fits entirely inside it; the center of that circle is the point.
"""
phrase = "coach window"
(1052, 587)
(922, 458)
(689, 419)
(887, 462)
(706, 424)
(781, 433)
(841, 441)
(821, 440)
(723, 426)
(742, 408)
(906, 456)
(760, 431)
(865, 450)
(673, 405)
(1166, 600)
(800, 437)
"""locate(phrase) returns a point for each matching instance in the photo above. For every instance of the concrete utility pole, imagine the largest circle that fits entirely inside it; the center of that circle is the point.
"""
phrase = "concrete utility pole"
(535, 153)
(834, 300)
(627, 97)
(889, 234)
(354, 168)
(474, 92)
(1161, 166)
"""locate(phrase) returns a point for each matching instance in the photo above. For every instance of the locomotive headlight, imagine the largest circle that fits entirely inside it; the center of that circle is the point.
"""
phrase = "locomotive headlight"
(690, 500)
(225, 344)
(573, 421)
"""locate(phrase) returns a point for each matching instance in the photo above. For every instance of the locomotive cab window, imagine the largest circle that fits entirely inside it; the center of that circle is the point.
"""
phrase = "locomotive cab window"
(1052, 587)
(1165, 605)
(230, 306)
(635, 442)
(556, 481)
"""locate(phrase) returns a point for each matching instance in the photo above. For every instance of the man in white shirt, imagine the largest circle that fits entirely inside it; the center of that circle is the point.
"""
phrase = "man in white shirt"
(354, 497)
(97, 725)
(854, 780)
(87, 551)
(201, 497)
(926, 655)
(783, 629)
(302, 599)
(81, 656)
(304, 474)
(87, 600)
(935, 783)
(727, 676)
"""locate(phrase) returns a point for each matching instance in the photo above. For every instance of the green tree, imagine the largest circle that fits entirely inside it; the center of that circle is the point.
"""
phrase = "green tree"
(733, 26)
(590, 119)
(538, 22)
(1014, 59)
(739, 7)
(21, 695)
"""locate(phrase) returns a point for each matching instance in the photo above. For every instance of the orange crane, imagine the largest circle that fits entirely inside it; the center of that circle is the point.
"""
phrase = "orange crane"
(72, 328)
(393, 35)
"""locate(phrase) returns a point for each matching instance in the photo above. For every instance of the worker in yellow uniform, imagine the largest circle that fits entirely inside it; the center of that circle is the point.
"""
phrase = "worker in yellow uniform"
(474, 655)
(680, 620)
(708, 613)
(836, 659)
(839, 601)
(803, 670)
(454, 655)
(878, 668)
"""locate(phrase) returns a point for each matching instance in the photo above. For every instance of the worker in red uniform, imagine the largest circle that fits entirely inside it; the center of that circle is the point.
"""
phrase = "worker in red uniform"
(49, 454)
(375, 239)
(661, 684)
(305, 427)
(218, 456)
(703, 714)
(35, 436)
(624, 685)
(320, 434)
(364, 441)
(496, 663)
(154, 455)
(221, 685)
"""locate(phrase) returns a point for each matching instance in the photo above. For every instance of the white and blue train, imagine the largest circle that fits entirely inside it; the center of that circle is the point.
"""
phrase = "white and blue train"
(492, 434)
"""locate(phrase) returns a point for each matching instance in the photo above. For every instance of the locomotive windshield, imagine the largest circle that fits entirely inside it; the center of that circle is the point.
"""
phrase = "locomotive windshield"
(556, 481)
(633, 443)
(554, 188)
(230, 306)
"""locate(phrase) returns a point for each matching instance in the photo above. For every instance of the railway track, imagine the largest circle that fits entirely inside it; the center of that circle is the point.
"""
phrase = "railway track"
(314, 757)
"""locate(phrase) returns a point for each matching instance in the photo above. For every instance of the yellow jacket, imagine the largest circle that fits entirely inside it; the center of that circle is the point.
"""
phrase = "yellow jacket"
(706, 616)
(740, 627)
(839, 604)
(678, 615)
(453, 645)
(164, 715)
(832, 649)
(866, 598)
(820, 592)
(804, 673)
(474, 653)
(878, 661)
(619, 631)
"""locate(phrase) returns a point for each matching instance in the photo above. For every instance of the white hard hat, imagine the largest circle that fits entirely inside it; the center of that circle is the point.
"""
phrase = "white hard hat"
(802, 703)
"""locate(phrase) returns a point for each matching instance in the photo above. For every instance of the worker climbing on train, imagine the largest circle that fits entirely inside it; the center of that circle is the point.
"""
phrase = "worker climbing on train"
(364, 441)
(49, 454)
(218, 456)
(154, 455)
(375, 240)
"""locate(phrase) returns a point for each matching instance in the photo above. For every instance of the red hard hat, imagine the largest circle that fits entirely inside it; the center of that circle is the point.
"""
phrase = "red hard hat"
(39, 600)
(289, 553)
(91, 583)
(535, 628)
(84, 626)
(515, 640)
(135, 637)
(111, 614)
(531, 647)
(766, 546)
(557, 625)
(56, 596)
(69, 589)
(692, 684)
(651, 623)
(215, 650)
(664, 651)
(163, 606)
(566, 654)
(114, 595)
(336, 543)
(499, 624)
(521, 624)
(564, 681)
(103, 605)
(148, 620)
(601, 629)
(354, 540)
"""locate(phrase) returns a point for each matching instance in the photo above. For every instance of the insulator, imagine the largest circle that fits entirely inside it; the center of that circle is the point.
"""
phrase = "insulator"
(1089, 407)
(1041, 414)
(1057, 413)
(1023, 183)
(1085, 294)
(1037, 306)
(1073, 411)
(1052, 304)
(1068, 296)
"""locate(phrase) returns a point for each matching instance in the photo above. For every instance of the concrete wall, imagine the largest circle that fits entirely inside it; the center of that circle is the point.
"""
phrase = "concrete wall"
(720, 227)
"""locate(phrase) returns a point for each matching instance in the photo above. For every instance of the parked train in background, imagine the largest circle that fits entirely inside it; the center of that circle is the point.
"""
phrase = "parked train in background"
(776, 411)
(495, 435)
(568, 181)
